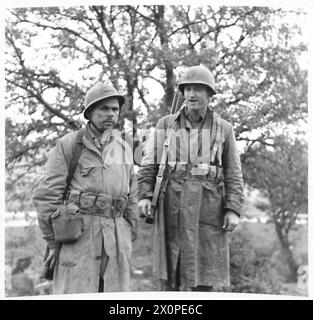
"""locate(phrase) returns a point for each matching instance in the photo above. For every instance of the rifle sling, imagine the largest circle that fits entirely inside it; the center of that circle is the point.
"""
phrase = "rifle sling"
(75, 157)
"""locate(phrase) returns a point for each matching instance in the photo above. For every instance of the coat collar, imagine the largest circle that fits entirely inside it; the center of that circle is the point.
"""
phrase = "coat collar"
(182, 114)
(91, 141)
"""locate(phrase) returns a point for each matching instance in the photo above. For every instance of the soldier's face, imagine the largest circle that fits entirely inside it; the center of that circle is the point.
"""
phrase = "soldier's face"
(196, 96)
(105, 114)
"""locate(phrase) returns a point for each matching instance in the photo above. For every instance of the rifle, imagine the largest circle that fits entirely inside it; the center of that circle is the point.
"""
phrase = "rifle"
(46, 273)
(176, 104)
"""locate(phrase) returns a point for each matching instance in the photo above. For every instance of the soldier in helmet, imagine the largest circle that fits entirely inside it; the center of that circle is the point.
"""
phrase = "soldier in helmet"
(202, 190)
(102, 189)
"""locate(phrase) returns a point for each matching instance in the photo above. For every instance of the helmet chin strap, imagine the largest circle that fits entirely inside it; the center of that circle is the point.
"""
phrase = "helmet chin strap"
(100, 131)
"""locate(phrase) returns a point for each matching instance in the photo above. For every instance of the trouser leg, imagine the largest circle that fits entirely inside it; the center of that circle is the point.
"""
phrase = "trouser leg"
(103, 265)
(100, 289)
(167, 285)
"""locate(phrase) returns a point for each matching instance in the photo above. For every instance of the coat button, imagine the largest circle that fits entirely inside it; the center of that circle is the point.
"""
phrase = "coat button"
(98, 257)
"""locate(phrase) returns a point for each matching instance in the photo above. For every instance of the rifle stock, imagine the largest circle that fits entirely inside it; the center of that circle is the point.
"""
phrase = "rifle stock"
(150, 219)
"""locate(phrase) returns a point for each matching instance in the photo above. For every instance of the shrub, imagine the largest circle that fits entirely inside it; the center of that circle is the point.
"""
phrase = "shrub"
(250, 267)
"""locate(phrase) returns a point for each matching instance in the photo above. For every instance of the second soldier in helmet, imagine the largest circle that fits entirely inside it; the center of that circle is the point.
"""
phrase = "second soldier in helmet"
(202, 192)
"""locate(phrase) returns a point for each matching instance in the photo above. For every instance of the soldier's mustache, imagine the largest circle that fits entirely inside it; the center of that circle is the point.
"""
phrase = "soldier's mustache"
(107, 120)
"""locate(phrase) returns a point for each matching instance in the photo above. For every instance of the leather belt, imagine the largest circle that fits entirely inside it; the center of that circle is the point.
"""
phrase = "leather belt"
(98, 204)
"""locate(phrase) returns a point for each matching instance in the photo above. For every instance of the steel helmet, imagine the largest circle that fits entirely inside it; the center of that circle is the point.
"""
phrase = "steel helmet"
(101, 91)
(197, 74)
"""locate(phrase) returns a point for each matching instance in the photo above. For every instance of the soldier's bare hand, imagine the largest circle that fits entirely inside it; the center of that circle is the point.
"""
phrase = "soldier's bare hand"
(231, 221)
(145, 207)
(52, 258)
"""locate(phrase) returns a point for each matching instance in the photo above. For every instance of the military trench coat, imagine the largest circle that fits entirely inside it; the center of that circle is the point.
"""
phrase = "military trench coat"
(108, 172)
(202, 179)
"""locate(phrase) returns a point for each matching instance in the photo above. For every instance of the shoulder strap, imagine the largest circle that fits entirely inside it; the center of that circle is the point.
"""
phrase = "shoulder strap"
(169, 123)
(160, 174)
(213, 136)
(216, 139)
(75, 157)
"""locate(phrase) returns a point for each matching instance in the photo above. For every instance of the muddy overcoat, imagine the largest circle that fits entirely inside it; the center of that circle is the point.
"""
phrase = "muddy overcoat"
(108, 171)
(203, 179)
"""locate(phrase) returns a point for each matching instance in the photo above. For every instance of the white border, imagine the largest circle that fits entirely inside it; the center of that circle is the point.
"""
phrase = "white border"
(305, 4)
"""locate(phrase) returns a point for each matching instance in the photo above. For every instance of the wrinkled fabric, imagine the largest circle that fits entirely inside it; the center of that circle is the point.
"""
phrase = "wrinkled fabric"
(188, 238)
(101, 170)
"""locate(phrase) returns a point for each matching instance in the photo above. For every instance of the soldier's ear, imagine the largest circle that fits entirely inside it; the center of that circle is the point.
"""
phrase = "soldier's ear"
(89, 112)
(210, 93)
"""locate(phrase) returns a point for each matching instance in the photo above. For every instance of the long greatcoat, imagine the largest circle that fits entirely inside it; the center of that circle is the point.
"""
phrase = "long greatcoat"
(189, 243)
(109, 172)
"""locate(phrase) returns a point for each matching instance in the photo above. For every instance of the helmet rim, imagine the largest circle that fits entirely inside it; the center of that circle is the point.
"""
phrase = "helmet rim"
(182, 85)
(197, 75)
(104, 92)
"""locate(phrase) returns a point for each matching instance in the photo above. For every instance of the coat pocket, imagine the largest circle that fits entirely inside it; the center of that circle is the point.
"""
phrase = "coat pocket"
(212, 205)
(85, 171)
(90, 177)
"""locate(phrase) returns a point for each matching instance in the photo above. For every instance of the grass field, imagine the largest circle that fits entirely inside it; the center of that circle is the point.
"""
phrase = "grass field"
(255, 238)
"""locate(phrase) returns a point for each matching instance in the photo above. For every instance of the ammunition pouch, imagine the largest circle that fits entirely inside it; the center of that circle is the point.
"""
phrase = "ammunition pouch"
(67, 223)
(98, 204)
(188, 170)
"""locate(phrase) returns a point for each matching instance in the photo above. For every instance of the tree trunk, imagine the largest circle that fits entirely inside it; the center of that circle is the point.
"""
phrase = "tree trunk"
(284, 241)
(168, 65)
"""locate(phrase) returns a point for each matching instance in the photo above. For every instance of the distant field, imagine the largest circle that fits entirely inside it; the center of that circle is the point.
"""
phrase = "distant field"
(26, 241)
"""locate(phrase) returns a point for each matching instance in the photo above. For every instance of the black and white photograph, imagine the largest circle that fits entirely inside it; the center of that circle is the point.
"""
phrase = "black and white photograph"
(156, 148)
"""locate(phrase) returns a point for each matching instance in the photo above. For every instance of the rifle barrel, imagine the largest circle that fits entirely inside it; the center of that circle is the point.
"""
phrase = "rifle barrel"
(177, 99)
